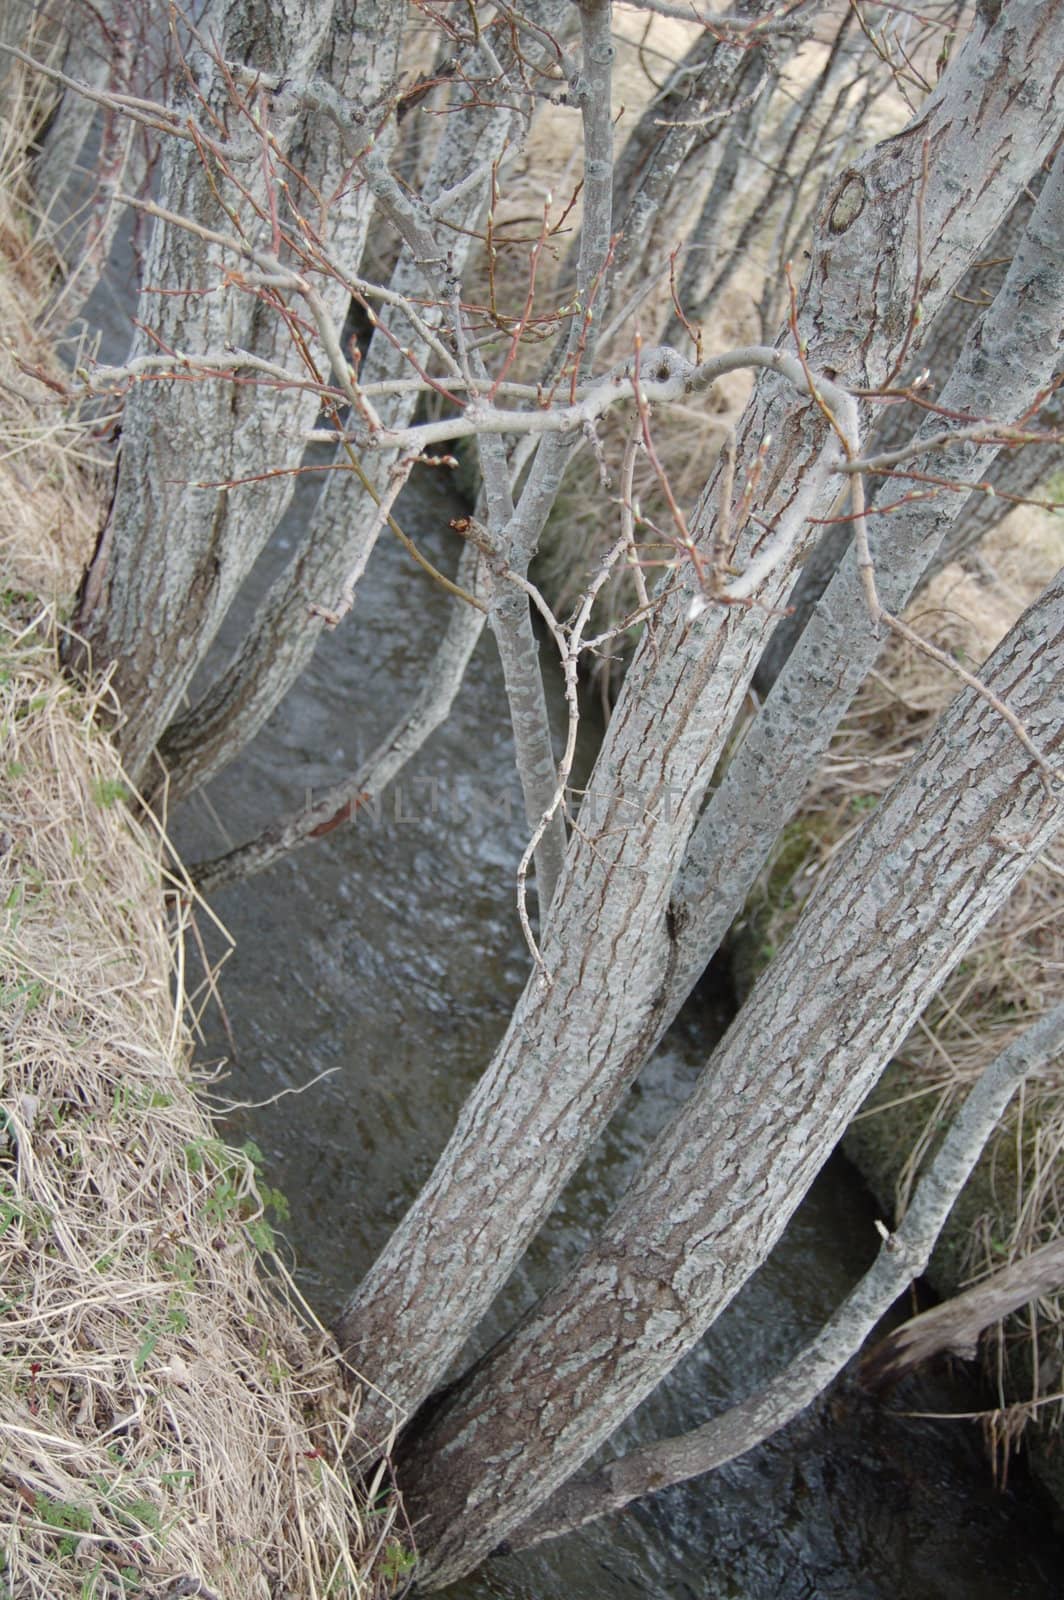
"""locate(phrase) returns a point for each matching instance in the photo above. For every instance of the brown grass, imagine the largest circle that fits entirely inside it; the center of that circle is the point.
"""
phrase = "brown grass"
(172, 1421)
(167, 1411)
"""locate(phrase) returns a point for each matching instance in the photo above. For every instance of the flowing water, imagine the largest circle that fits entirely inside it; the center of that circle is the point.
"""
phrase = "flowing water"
(387, 956)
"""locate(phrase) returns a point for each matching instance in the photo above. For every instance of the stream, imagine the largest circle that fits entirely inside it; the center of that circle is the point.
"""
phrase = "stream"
(390, 953)
(388, 956)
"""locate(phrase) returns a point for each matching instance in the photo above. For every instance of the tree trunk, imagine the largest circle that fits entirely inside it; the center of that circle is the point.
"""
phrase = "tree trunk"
(1012, 472)
(334, 549)
(903, 1257)
(153, 602)
(568, 1052)
(956, 1324)
(928, 870)
(1007, 362)
(89, 154)
(364, 788)
(705, 276)
(681, 141)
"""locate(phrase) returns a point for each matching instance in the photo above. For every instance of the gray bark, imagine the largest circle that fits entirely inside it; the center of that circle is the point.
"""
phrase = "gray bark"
(923, 877)
(363, 789)
(109, 46)
(1015, 472)
(518, 528)
(85, 56)
(903, 1257)
(284, 633)
(719, 82)
(16, 22)
(956, 1325)
(705, 276)
(574, 1041)
(153, 601)
(1009, 358)
(515, 638)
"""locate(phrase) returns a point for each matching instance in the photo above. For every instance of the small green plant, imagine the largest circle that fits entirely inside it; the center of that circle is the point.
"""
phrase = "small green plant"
(183, 1265)
(239, 1193)
(174, 1320)
(66, 1518)
(397, 1563)
(109, 791)
(88, 1586)
(33, 1219)
(30, 994)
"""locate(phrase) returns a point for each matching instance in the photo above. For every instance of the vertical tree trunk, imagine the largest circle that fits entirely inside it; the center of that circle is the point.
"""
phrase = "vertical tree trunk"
(567, 1055)
(928, 870)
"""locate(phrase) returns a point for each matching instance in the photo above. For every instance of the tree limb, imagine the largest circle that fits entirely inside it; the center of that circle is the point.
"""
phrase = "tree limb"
(903, 1256)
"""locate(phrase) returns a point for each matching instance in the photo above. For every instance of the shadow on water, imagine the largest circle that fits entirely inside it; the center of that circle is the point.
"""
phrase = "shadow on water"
(388, 955)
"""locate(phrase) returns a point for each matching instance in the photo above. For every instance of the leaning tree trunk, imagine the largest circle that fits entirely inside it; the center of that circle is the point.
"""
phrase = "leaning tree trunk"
(1013, 473)
(719, 1185)
(1005, 365)
(903, 1257)
(566, 1058)
(88, 155)
(152, 601)
(680, 142)
(705, 275)
(337, 544)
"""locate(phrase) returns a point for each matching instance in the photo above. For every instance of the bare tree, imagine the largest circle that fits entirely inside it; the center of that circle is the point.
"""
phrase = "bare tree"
(286, 138)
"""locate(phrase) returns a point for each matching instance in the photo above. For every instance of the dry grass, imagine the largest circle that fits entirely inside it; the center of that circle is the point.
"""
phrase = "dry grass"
(1012, 973)
(165, 1413)
(171, 1419)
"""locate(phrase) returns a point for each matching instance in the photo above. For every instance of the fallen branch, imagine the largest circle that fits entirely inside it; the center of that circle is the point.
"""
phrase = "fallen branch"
(956, 1325)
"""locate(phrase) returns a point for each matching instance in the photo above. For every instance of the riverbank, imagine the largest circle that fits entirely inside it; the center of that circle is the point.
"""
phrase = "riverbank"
(172, 1420)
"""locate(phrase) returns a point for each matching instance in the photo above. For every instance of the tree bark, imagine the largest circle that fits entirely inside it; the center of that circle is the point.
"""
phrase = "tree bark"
(516, 530)
(334, 549)
(115, 47)
(956, 1324)
(1007, 362)
(705, 276)
(924, 876)
(568, 1053)
(681, 141)
(153, 602)
(362, 790)
(1012, 472)
(903, 1256)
